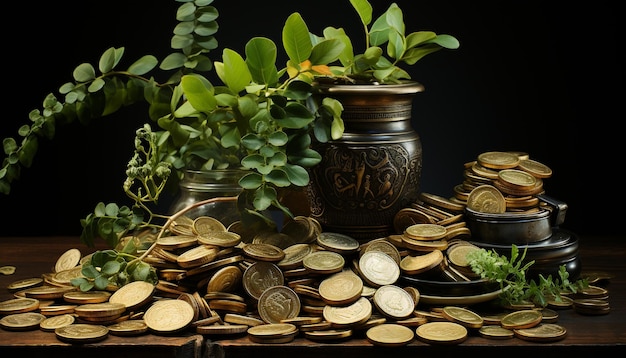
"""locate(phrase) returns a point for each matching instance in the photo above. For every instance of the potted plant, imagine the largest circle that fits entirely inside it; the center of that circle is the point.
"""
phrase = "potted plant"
(241, 112)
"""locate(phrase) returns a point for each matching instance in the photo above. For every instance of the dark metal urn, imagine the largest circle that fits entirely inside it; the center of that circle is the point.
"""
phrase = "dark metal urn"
(366, 177)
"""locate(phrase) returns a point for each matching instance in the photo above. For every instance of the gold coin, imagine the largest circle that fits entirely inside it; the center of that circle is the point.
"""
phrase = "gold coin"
(129, 327)
(51, 323)
(196, 256)
(323, 262)
(484, 171)
(378, 268)
(69, 259)
(328, 334)
(272, 330)
(413, 265)
(48, 292)
(394, 302)
(486, 199)
(206, 224)
(544, 332)
(495, 332)
(55, 310)
(535, 168)
(350, 315)
(458, 254)
(383, 245)
(176, 241)
(278, 239)
(341, 288)
(521, 319)
(105, 309)
(22, 321)
(234, 318)
(226, 279)
(229, 329)
(498, 160)
(18, 305)
(428, 232)
(169, 315)
(278, 303)
(81, 333)
(83, 297)
(7, 270)
(517, 178)
(441, 202)
(264, 252)
(389, 335)
(294, 255)
(336, 242)
(300, 229)
(220, 238)
(133, 295)
(406, 217)
(441, 333)
(25, 283)
(260, 276)
(462, 316)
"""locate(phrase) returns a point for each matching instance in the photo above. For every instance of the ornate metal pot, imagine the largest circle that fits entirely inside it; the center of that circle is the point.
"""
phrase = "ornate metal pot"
(375, 169)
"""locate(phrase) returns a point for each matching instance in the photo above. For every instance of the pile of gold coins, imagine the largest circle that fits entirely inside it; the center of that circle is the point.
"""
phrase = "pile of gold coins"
(300, 282)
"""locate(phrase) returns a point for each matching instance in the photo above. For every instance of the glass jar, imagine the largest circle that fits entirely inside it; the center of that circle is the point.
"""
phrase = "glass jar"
(199, 185)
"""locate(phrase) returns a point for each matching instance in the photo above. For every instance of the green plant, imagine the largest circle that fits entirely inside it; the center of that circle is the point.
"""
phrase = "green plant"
(510, 273)
(254, 115)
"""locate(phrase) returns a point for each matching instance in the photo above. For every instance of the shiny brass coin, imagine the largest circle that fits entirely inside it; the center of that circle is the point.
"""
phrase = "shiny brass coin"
(328, 335)
(213, 265)
(385, 246)
(544, 332)
(300, 229)
(424, 245)
(302, 320)
(462, 316)
(340, 243)
(521, 319)
(134, 294)
(176, 241)
(485, 172)
(294, 255)
(168, 315)
(220, 238)
(278, 303)
(508, 189)
(486, 199)
(350, 315)
(593, 291)
(272, 330)
(535, 168)
(393, 302)
(228, 306)
(521, 202)
(341, 288)
(495, 332)
(18, 305)
(22, 321)
(441, 202)
(130, 327)
(196, 256)
(81, 333)
(83, 297)
(278, 340)
(561, 302)
(51, 323)
(234, 318)
(441, 333)
(427, 232)
(319, 326)
(462, 233)
(69, 259)
(458, 254)
(498, 160)
(25, 283)
(220, 330)
(48, 292)
(378, 268)
(517, 178)
(549, 316)
(104, 309)
(390, 335)
(406, 217)
(413, 265)
(277, 239)
(260, 276)
(415, 294)
(412, 321)
(226, 279)
(223, 296)
(7, 270)
(55, 310)
(213, 320)
(65, 277)
(264, 252)
(206, 224)
(323, 262)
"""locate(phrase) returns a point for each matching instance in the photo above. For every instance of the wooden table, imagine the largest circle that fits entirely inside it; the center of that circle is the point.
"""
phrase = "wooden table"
(586, 335)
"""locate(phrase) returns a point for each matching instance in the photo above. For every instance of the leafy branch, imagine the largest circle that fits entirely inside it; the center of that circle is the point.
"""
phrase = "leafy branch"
(510, 273)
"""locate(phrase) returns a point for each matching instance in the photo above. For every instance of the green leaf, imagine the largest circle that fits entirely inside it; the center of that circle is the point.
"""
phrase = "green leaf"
(364, 9)
(327, 51)
(394, 18)
(417, 38)
(278, 138)
(107, 60)
(446, 41)
(84, 73)
(101, 282)
(278, 177)
(297, 175)
(235, 73)
(143, 65)
(347, 54)
(296, 40)
(251, 181)
(199, 95)
(261, 60)
(296, 116)
(110, 268)
(263, 197)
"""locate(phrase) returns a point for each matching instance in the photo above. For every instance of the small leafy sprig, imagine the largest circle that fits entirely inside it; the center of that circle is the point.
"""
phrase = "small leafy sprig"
(115, 268)
(510, 273)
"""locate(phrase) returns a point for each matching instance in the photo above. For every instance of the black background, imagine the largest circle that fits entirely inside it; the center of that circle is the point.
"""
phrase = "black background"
(546, 78)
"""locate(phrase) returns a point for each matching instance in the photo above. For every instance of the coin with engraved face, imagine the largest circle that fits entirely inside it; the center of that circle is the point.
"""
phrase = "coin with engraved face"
(260, 276)
(278, 303)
